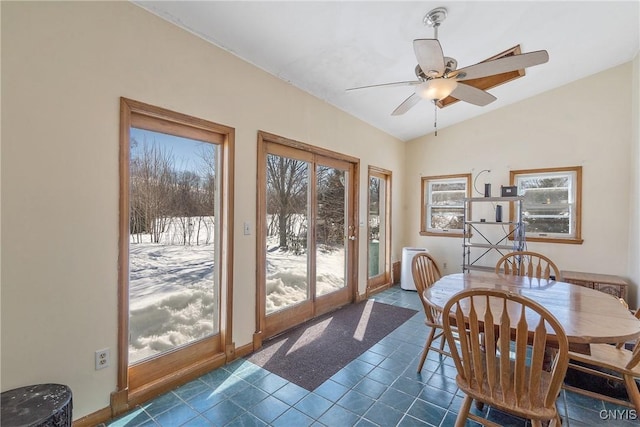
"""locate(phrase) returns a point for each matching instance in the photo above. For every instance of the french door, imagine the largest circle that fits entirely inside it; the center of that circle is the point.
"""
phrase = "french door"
(308, 240)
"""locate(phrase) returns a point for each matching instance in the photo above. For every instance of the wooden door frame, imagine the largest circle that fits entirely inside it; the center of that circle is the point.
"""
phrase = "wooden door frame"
(384, 280)
(264, 141)
(195, 359)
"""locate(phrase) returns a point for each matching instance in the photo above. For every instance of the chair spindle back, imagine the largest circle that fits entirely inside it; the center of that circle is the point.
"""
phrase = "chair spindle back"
(498, 356)
(527, 263)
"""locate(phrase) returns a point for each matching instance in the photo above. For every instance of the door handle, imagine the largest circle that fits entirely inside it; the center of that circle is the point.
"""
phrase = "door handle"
(352, 237)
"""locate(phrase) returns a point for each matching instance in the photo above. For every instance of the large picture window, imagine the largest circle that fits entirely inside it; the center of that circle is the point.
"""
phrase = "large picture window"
(551, 208)
(175, 278)
(443, 204)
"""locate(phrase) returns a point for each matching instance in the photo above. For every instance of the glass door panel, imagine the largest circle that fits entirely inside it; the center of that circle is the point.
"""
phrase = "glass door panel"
(331, 229)
(287, 257)
(376, 226)
(379, 229)
(174, 293)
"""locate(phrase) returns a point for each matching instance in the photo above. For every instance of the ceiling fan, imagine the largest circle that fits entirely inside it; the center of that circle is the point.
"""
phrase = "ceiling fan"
(438, 76)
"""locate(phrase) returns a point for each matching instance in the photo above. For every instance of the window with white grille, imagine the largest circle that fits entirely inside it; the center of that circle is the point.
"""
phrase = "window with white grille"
(443, 204)
(551, 207)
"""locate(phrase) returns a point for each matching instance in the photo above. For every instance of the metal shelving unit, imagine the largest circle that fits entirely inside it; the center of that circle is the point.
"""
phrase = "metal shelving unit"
(481, 238)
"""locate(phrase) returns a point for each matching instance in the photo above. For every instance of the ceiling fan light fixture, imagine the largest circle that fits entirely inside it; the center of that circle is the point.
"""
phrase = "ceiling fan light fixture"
(436, 89)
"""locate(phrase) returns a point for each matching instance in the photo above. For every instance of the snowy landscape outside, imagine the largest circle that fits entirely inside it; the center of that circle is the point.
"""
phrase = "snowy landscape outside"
(171, 302)
(289, 207)
(173, 291)
(171, 298)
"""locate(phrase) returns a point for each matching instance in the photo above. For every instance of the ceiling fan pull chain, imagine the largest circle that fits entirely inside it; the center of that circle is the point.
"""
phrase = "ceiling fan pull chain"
(435, 115)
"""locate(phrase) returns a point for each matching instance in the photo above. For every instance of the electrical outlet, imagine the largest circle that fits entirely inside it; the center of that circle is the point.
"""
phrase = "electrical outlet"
(444, 265)
(102, 358)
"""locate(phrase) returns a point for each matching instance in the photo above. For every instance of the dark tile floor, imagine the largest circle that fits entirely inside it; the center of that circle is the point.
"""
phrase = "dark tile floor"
(379, 388)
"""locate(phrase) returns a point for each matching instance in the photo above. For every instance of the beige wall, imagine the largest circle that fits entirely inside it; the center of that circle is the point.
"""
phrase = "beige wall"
(586, 123)
(634, 159)
(65, 65)
(0, 215)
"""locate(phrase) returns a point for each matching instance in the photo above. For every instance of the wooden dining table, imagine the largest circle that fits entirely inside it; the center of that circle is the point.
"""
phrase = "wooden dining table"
(587, 315)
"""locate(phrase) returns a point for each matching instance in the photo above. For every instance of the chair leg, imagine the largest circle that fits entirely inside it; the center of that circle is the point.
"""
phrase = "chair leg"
(426, 349)
(632, 391)
(549, 359)
(464, 411)
(557, 421)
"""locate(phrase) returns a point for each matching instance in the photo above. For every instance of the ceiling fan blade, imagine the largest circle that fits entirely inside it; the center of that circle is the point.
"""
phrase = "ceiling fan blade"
(502, 65)
(430, 57)
(406, 105)
(472, 95)
(409, 83)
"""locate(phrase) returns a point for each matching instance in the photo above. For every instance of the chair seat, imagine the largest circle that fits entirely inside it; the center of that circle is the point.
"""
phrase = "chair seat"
(437, 323)
(613, 363)
(609, 357)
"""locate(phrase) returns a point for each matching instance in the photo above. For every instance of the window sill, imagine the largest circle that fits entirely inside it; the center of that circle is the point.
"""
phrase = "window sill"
(442, 233)
(570, 241)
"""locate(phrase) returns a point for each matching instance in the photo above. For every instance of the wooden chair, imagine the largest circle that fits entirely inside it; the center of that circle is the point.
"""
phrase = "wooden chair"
(425, 273)
(527, 263)
(505, 370)
(619, 364)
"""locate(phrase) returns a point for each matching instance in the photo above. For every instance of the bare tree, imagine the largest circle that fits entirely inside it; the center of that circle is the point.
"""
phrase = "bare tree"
(185, 203)
(374, 207)
(286, 194)
(151, 176)
(167, 196)
(209, 160)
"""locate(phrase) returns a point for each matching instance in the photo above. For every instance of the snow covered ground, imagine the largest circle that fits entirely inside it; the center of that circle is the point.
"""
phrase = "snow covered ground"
(171, 289)
(171, 297)
(287, 281)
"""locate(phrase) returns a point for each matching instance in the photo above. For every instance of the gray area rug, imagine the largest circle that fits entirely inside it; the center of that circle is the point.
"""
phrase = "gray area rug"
(311, 353)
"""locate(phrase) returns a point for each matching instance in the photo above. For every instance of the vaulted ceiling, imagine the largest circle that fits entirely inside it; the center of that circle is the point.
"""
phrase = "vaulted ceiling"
(326, 47)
